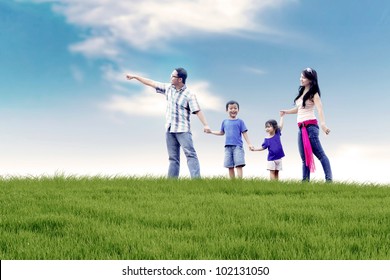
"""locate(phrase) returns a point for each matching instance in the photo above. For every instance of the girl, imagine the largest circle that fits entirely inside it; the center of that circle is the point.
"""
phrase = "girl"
(307, 100)
(274, 145)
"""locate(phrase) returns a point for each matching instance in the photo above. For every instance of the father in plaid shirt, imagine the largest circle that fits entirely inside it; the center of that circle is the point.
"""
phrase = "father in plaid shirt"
(181, 103)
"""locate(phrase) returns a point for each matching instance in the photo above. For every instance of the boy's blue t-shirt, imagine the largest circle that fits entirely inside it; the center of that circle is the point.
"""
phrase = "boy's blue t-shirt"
(274, 146)
(233, 130)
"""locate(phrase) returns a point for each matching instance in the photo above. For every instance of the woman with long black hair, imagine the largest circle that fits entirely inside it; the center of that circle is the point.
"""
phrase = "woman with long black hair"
(308, 99)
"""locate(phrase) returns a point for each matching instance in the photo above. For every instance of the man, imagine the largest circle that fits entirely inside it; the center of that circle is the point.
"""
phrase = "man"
(181, 103)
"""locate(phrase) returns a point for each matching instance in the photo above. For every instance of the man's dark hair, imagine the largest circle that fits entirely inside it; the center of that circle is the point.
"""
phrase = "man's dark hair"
(182, 73)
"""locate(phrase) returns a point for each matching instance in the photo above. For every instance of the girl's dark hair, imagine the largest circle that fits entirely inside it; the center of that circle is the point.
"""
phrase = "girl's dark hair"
(182, 73)
(311, 74)
(232, 102)
(273, 123)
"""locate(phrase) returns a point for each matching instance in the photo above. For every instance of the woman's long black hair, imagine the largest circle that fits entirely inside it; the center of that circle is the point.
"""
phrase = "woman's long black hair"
(310, 74)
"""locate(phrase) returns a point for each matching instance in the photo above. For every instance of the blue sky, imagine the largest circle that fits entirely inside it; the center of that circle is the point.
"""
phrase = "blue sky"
(65, 106)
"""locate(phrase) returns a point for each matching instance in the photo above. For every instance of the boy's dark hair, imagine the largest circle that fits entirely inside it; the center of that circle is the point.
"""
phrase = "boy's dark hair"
(272, 123)
(182, 73)
(231, 102)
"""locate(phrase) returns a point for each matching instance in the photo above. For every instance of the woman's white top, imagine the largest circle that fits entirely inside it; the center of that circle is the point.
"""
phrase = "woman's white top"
(306, 113)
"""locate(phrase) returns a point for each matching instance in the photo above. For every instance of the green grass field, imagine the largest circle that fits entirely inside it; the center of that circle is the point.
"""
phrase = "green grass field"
(156, 218)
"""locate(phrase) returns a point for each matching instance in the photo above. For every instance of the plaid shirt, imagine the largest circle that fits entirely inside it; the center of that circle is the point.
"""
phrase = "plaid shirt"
(180, 105)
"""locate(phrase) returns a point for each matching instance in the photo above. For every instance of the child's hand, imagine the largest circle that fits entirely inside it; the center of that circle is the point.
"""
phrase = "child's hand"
(251, 148)
(207, 129)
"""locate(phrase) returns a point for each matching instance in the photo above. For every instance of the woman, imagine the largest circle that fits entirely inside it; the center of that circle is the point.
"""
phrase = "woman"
(309, 98)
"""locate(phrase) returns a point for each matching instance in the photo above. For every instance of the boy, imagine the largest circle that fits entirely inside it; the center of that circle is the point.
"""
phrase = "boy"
(233, 128)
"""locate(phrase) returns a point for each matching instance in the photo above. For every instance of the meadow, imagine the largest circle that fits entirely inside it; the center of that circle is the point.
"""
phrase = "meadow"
(119, 218)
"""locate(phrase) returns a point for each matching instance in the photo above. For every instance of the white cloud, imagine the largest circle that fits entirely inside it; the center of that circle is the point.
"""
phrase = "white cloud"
(207, 100)
(149, 103)
(96, 47)
(116, 76)
(253, 70)
(111, 24)
(77, 73)
(143, 104)
(361, 163)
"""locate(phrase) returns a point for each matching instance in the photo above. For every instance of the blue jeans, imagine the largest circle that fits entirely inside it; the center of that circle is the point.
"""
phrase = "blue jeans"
(174, 142)
(234, 156)
(318, 151)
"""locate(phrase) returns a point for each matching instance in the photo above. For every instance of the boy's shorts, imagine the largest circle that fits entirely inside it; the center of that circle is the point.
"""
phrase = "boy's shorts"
(275, 165)
(234, 156)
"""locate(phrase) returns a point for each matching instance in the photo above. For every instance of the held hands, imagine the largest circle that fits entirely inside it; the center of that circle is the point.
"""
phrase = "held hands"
(214, 132)
(252, 148)
(206, 129)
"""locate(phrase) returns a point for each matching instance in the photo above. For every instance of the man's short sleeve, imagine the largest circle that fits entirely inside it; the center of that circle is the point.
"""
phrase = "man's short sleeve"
(161, 88)
(193, 104)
